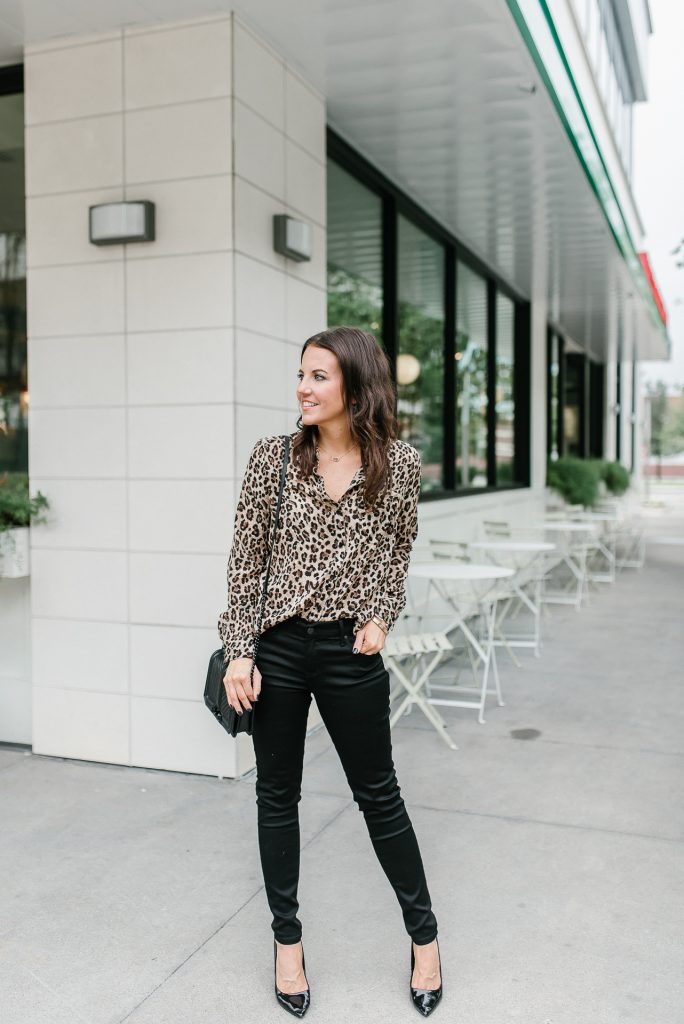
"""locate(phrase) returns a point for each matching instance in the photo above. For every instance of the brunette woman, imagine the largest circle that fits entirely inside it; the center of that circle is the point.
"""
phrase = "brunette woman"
(347, 523)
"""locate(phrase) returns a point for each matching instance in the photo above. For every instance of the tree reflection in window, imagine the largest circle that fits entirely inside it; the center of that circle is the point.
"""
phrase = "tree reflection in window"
(505, 402)
(354, 241)
(420, 360)
(471, 378)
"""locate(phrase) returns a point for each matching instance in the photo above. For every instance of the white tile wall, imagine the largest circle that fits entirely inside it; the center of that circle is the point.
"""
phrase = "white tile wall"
(191, 140)
(170, 367)
(80, 655)
(73, 156)
(165, 514)
(179, 735)
(76, 723)
(305, 310)
(17, 711)
(154, 368)
(174, 292)
(259, 151)
(177, 590)
(260, 368)
(303, 121)
(170, 662)
(259, 297)
(83, 371)
(86, 443)
(178, 66)
(304, 183)
(253, 422)
(193, 215)
(88, 514)
(57, 228)
(86, 299)
(79, 584)
(54, 82)
(259, 77)
(254, 212)
(180, 441)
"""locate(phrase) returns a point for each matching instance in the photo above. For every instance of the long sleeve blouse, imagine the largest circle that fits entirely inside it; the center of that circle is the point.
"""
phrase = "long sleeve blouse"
(331, 559)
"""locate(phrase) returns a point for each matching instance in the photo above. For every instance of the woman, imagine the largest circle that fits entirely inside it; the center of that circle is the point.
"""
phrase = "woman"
(348, 521)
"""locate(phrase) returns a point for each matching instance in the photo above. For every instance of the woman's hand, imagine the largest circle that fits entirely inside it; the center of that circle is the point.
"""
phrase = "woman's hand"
(238, 688)
(370, 639)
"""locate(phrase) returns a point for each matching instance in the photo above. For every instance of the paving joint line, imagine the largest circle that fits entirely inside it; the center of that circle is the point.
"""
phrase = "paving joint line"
(515, 819)
(239, 910)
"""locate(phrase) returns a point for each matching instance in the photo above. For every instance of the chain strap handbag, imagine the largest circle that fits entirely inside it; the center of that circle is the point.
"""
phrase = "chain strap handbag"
(215, 696)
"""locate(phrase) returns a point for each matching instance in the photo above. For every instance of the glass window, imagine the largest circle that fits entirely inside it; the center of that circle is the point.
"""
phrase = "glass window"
(504, 446)
(554, 395)
(354, 253)
(13, 373)
(573, 405)
(471, 378)
(420, 358)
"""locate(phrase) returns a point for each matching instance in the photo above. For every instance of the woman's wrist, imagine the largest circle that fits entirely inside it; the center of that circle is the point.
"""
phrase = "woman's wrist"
(380, 622)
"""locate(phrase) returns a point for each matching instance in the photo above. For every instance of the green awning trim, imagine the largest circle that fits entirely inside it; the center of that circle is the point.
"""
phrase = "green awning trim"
(538, 30)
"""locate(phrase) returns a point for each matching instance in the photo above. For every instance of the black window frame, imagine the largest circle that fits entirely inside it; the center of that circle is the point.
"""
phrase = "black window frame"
(395, 203)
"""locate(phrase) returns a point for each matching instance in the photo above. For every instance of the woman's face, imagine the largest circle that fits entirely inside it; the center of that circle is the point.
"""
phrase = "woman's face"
(320, 388)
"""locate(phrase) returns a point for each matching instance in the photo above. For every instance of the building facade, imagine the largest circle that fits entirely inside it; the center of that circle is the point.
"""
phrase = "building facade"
(465, 174)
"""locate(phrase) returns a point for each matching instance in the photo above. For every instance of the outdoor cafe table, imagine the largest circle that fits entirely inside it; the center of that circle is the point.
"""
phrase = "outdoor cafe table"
(478, 580)
(523, 554)
(605, 542)
(575, 558)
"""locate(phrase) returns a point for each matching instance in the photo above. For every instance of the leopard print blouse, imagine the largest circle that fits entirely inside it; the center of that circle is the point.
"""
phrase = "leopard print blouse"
(331, 559)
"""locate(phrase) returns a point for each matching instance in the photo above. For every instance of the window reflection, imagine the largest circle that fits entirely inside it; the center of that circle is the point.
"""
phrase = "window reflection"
(420, 359)
(354, 253)
(504, 447)
(471, 378)
(13, 374)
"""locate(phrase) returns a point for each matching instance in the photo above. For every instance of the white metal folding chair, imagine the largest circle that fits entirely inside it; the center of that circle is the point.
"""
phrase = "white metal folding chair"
(411, 660)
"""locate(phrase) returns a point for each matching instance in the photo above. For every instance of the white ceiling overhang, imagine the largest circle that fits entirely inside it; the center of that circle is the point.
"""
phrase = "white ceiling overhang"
(455, 102)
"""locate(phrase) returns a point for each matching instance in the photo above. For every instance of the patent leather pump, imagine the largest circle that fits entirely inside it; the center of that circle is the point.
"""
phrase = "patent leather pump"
(296, 1003)
(425, 999)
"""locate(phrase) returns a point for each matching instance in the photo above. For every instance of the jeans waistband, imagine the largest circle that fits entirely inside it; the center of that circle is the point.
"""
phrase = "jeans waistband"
(335, 627)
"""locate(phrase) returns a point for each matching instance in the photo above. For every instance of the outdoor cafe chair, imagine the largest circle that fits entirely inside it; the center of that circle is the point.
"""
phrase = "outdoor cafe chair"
(411, 659)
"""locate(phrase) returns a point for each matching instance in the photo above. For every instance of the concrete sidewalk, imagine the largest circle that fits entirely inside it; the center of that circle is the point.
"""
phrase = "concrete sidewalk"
(555, 864)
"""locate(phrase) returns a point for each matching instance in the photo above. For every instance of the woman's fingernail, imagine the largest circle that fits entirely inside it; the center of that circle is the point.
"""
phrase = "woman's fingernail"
(355, 650)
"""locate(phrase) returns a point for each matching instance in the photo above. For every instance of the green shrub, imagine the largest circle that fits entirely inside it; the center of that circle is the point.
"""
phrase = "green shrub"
(615, 477)
(576, 480)
(17, 507)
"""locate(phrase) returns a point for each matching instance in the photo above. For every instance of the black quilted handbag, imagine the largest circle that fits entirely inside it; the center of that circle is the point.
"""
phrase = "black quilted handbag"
(215, 696)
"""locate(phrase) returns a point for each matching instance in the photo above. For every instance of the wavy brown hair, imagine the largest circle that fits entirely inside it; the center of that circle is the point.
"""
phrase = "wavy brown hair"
(367, 382)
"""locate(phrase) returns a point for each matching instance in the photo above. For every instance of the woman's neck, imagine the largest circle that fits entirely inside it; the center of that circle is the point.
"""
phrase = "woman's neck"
(335, 440)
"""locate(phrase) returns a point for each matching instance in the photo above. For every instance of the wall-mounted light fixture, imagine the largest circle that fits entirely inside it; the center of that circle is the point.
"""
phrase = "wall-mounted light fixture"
(291, 238)
(408, 369)
(116, 223)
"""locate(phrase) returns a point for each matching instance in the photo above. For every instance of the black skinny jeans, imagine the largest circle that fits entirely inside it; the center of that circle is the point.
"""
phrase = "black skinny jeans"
(296, 659)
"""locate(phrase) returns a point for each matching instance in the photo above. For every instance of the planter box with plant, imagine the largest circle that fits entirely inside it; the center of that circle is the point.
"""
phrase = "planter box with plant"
(18, 510)
(579, 481)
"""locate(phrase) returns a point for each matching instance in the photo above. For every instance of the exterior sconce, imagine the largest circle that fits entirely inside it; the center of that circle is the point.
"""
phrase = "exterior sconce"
(116, 223)
(408, 368)
(291, 238)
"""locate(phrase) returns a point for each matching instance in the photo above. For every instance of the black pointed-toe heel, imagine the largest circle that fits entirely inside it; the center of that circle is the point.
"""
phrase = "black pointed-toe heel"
(296, 1003)
(425, 999)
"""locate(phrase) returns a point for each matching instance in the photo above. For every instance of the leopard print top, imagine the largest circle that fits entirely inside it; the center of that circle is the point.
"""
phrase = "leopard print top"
(331, 559)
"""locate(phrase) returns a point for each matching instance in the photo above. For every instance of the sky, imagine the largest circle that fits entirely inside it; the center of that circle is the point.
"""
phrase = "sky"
(659, 174)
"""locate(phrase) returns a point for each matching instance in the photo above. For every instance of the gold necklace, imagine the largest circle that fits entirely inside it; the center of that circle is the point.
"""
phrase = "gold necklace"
(333, 458)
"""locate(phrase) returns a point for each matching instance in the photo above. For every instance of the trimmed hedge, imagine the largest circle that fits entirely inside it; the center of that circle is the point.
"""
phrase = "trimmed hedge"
(577, 480)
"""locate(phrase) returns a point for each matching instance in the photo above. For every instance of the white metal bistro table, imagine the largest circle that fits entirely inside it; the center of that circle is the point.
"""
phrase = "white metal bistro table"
(479, 581)
(575, 558)
(524, 554)
(604, 543)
